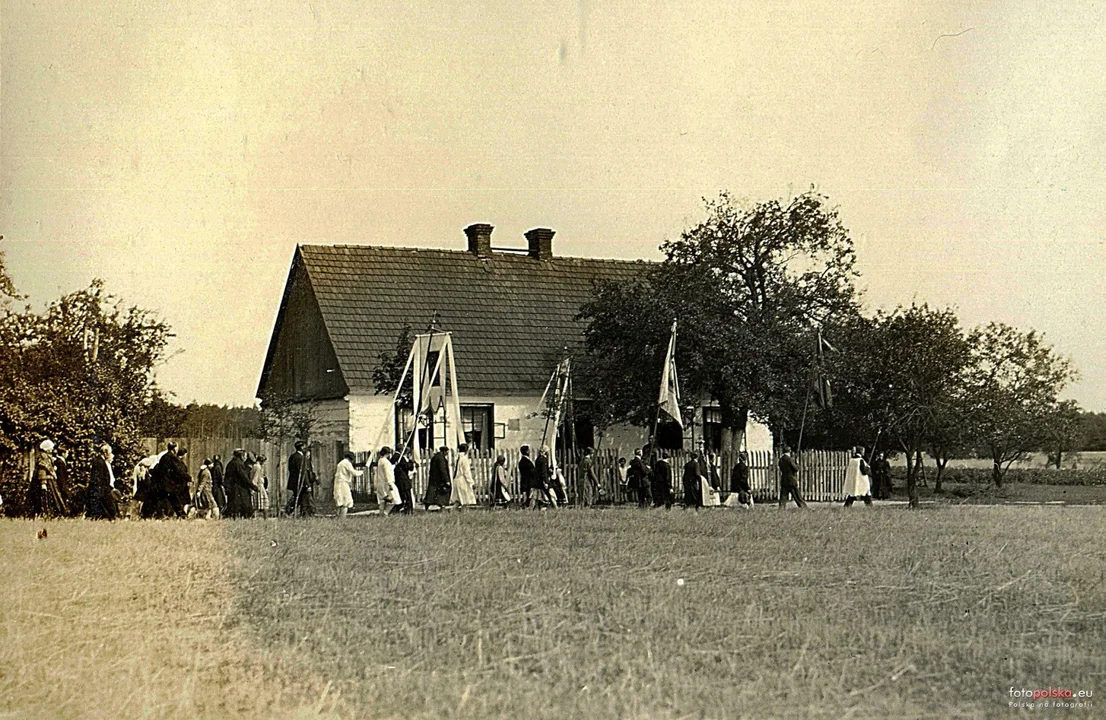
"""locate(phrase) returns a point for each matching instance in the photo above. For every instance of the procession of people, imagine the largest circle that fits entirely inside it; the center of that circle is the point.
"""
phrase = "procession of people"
(160, 486)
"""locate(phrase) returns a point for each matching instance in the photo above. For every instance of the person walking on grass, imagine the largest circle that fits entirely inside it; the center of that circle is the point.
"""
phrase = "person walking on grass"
(881, 477)
(789, 480)
(100, 502)
(662, 481)
(857, 482)
(739, 481)
(588, 482)
(527, 477)
(463, 493)
(205, 498)
(217, 490)
(692, 481)
(401, 463)
(238, 487)
(384, 482)
(544, 473)
(297, 479)
(637, 479)
(499, 495)
(438, 485)
(344, 475)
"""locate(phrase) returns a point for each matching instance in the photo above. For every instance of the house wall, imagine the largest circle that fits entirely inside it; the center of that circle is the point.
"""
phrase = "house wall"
(369, 415)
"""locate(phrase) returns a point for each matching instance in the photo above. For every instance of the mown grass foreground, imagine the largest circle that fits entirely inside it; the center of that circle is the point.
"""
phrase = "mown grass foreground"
(864, 613)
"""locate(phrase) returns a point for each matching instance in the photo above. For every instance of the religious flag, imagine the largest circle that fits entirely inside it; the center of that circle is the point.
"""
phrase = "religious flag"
(669, 398)
(821, 380)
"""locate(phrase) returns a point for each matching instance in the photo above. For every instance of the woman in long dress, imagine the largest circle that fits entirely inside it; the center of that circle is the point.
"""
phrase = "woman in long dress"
(384, 482)
(857, 483)
(344, 475)
(463, 493)
(499, 494)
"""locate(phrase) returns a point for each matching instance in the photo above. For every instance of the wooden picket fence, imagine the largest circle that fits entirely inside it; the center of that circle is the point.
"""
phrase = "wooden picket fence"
(821, 475)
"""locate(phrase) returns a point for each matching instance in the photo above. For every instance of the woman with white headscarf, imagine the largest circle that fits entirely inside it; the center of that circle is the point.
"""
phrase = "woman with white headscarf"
(857, 484)
(463, 493)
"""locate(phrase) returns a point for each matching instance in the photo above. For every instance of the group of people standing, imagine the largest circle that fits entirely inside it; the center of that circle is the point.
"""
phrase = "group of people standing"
(700, 480)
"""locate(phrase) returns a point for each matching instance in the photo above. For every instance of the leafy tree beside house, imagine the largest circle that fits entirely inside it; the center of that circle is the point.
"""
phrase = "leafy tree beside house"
(79, 373)
(747, 285)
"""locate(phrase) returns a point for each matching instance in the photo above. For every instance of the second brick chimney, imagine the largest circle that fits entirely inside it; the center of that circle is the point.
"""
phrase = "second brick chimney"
(480, 239)
(540, 243)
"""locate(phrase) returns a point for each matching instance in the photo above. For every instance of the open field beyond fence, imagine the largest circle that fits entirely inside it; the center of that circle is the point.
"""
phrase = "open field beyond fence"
(829, 613)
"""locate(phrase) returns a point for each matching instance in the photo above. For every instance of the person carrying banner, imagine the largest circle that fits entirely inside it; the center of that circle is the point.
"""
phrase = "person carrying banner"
(789, 480)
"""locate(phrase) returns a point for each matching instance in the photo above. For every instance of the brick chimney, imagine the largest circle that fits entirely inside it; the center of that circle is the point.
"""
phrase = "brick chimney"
(480, 239)
(540, 242)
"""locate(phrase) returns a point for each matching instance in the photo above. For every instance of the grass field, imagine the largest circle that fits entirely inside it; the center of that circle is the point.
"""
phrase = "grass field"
(868, 613)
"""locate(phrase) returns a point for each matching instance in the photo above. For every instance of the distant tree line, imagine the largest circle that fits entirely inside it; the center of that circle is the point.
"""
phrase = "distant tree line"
(164, 419)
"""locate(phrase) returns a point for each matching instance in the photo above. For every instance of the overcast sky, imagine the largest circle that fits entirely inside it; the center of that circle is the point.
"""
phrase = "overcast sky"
(181, 150)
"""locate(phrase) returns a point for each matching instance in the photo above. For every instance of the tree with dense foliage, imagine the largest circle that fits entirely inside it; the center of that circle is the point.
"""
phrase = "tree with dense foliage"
(748, 286)
(899, 380)
(1015, 380)
(79, 373)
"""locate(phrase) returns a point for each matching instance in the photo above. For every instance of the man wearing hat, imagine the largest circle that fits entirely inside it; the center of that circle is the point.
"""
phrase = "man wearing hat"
(296, 480)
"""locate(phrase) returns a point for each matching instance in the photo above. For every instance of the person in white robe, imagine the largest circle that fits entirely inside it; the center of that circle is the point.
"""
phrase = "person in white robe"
(463, 493)
(344, 475)
(857, 479)
(384, 482)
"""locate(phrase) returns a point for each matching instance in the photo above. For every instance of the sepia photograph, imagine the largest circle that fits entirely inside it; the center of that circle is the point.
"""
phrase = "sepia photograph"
(544, 360)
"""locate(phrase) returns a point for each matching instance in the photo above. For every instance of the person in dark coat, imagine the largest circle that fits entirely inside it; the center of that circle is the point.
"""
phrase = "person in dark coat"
(296, 479)
(693, 488)
(402, 470)
(155, 498)
(789, 480)
(217, 490)
(527, 477)
(239, 487)
(638, 479)
(438, 483)
(61, 467)
(175, 481)
(662, 481)
(99, 501)
(739, 480)
(544, 473)
(881, 476)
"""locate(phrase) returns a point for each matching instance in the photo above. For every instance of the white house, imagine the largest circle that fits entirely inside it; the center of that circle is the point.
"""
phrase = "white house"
(511, 314)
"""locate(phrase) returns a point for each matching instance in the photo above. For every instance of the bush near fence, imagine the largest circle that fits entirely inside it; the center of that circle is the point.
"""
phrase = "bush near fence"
(822, 474)
(1094, 475)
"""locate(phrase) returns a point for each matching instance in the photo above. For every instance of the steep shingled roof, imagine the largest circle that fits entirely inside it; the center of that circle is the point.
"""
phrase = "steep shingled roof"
(510, 315)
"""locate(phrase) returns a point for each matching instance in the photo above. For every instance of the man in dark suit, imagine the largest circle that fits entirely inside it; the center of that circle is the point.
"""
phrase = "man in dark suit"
(296, 479)
(99, 501)
(638, 479)
(693, 486)
(739, 480)
(238, 487)
(662, 481)
(217, 482)
(789, 480)
(439, 480)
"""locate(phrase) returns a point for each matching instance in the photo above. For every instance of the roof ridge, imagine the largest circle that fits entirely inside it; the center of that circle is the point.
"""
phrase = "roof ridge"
(498, 253)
